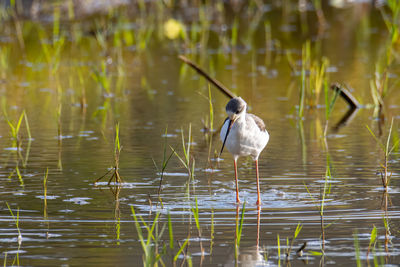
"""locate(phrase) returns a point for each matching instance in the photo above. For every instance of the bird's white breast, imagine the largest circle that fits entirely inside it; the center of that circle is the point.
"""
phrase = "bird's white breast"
(245, 138)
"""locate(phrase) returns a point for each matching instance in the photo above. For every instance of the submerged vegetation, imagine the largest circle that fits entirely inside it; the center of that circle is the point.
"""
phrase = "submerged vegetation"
(115, 168)
(76, 70)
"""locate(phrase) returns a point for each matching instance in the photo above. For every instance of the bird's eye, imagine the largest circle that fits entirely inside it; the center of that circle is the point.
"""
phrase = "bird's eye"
(237, 112)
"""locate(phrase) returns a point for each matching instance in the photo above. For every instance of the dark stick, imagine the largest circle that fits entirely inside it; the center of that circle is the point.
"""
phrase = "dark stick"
(216, 83)
(346, 95)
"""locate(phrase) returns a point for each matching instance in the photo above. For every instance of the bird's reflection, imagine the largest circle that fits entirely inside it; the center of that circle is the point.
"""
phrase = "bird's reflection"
(247, 256)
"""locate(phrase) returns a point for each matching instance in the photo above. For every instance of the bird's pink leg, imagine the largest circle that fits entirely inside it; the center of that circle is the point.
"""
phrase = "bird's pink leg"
(236, 181)
(258, 185)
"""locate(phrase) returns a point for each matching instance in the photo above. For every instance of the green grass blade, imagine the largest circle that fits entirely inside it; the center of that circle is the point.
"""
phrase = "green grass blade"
(138, 229)
(298, 229)
(374, 234)
(278, 241)
(181, 249)
(171, 234)
(196, 214)
(19, 122)
(376, 138)
(117, 147)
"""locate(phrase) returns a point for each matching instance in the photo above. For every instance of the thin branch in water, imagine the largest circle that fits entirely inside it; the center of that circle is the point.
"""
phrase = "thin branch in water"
(215, 82)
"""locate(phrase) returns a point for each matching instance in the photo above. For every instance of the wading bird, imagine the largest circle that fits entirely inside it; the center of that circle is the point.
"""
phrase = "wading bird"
(243, 134)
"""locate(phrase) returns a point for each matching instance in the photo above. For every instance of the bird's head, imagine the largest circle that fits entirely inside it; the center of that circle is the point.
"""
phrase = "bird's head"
(235, 109)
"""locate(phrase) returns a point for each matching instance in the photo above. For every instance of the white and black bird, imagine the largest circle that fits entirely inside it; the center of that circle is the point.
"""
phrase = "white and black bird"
(243, 134)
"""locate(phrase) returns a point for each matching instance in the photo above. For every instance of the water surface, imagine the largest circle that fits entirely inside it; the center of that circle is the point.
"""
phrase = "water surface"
(151, 91)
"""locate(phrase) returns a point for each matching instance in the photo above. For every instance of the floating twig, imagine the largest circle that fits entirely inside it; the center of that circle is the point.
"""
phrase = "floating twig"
(346, 95)
(215, 82)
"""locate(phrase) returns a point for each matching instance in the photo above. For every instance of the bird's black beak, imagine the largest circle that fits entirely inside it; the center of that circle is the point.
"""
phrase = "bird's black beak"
(227, 132)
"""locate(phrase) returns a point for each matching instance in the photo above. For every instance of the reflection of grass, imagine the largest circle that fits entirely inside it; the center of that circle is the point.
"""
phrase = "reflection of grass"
(16, 220)
(239, 228)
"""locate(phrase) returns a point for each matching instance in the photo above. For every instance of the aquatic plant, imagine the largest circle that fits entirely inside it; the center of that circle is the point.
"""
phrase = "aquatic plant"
(4, 61)
(212, 231)
(151, 256)
(114, 169)
(320, 203)
(195, 211)
(170, 232)
(289, 245)
(16, 126)
(59, 125)
(103, 78)
(187, 160)
(313, 76)
(17, 172)
(209, 121)
(387, 150)
(380, 86)
(163, 164)
(391, 19)
(52, 47)
(372, 240)
(117, 152)
(45, 193)
(329, 104)
(357, 249)
(278, 243)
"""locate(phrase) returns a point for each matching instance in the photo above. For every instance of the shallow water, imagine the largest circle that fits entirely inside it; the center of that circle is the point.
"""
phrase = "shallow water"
(86, 223)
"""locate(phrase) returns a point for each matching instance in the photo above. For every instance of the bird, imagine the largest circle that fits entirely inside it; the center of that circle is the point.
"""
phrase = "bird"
(243, 134)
